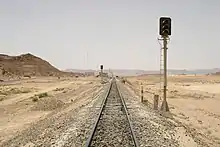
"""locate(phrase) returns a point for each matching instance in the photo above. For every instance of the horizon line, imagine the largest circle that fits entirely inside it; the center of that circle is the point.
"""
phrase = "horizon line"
(143, 69)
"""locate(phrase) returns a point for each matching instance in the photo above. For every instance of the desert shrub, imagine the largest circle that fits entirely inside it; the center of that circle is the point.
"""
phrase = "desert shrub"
(58, 89)
(34, 99)
(3, 71)
(41, 95)
(27, 76)
(123, 81)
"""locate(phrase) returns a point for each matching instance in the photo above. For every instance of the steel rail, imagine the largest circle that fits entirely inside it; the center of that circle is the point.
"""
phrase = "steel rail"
(129, 121)
(89, 141)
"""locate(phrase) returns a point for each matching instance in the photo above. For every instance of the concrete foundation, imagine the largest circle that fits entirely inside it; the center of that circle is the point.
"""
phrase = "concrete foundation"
(164, 106)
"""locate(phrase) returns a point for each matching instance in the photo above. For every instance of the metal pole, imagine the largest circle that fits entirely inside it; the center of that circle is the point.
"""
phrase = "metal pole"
(101, 75)
(164, 106)
(165, 68)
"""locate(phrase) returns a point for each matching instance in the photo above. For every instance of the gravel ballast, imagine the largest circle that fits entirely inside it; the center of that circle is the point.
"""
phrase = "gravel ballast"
(113, 126)
(150, 129)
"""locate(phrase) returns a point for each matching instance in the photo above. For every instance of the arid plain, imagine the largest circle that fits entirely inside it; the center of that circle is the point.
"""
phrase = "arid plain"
(67, 106)
(30, 100)
(193, 101)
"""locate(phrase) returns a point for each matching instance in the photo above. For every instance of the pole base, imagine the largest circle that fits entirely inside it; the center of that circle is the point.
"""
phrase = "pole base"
(164, 106)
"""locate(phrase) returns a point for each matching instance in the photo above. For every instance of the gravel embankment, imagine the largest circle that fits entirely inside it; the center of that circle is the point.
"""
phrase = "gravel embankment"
(86, 122)
(68, 126)
(150, 129)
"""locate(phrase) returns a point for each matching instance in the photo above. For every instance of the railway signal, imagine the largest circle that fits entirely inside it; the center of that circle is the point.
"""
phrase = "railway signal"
(101, 73)
(101, 68)
(165, 26)
(165, 32)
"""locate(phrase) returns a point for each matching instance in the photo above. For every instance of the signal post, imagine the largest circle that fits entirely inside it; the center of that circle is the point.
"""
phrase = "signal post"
(165, 32)
(101, 73)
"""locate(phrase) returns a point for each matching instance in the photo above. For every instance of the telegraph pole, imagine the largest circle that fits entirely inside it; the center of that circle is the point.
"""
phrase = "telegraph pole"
(165, 31)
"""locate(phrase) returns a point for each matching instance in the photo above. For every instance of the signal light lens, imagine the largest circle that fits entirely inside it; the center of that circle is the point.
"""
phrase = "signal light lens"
(165, 26)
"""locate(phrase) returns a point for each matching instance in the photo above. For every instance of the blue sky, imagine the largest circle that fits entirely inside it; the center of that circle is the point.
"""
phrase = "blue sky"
(115, 33)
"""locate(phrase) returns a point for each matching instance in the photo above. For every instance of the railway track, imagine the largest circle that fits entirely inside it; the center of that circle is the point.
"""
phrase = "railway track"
(113, 126)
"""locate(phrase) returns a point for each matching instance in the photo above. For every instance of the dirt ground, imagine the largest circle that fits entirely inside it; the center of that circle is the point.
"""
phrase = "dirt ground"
(193, 101)
(45, 111)
(23, 102)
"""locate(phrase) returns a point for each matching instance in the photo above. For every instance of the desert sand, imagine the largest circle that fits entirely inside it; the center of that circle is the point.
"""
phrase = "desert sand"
(43, 106)
(193, 102)
(62, 111)
(30, 100)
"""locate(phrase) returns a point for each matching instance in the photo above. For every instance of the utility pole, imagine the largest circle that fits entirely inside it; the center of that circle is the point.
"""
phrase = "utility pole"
(165, 31)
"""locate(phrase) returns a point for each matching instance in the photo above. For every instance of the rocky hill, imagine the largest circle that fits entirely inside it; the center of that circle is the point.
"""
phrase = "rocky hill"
(27, 65)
